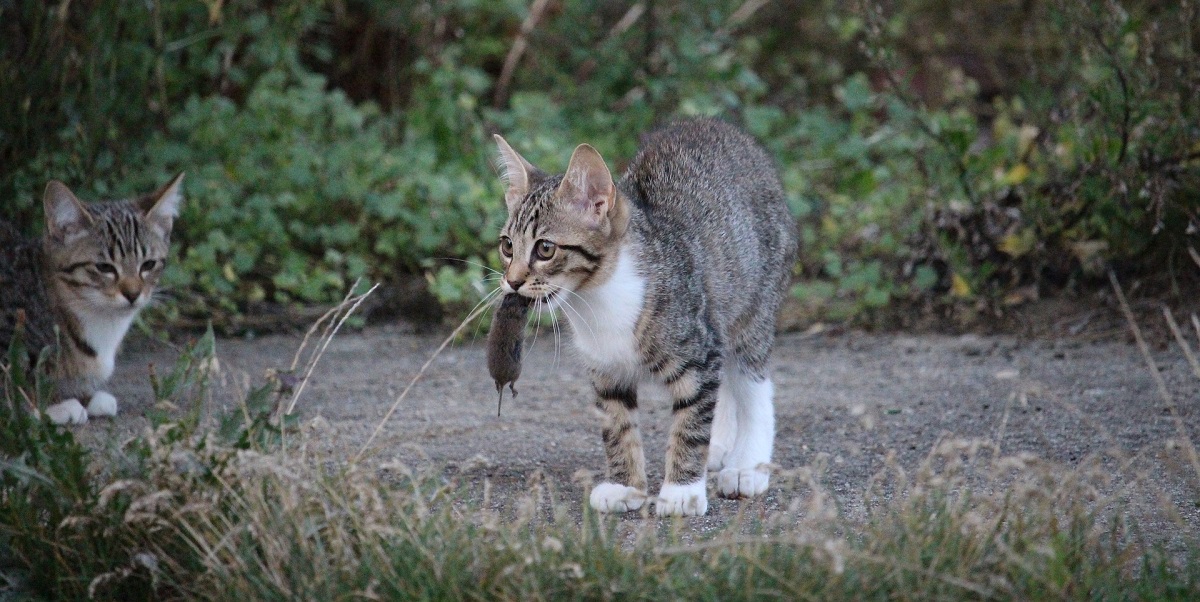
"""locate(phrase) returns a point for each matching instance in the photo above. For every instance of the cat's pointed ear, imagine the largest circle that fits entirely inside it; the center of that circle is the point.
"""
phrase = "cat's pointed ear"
(514, 172)
(162, 207)
(588, 185)
(65, 215)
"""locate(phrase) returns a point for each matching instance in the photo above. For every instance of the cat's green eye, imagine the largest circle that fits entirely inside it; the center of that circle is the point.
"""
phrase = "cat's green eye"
(107, 269)
(544, 249)
(506, 248)
(148, 265)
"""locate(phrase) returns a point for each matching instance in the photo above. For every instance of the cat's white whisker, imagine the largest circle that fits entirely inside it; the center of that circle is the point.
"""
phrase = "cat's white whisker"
(476, 264)
(489, 299)
(554, 326)
(568, 306)
(536, 316)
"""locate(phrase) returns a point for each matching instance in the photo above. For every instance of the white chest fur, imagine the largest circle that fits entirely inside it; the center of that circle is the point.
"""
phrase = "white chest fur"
(605, 317)
(104, 334)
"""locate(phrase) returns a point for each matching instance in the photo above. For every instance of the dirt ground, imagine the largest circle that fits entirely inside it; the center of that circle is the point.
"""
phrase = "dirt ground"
(844, 402)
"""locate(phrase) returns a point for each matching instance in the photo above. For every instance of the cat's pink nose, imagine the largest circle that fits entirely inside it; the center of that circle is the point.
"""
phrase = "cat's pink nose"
(131, 295)
(516, 284)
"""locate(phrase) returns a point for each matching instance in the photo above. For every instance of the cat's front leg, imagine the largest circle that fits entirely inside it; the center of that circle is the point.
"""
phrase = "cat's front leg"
(694, 396)
(624, 488)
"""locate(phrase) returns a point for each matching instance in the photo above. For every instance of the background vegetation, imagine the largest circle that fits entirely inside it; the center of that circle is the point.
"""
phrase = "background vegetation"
(951, 155)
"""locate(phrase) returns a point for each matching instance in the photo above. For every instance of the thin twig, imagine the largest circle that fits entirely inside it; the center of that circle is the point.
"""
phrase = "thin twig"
(741, 15)
(395, 404)
(630, 17)
(520, 44)
(1184, 440)
(1183, 344)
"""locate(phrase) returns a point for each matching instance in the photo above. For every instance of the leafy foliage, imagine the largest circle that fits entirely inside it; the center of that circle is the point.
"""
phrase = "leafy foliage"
(323, 201)
(926, 159)
(71, 523)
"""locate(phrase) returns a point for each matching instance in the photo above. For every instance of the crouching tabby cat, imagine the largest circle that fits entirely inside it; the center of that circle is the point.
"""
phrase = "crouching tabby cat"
(674, 274)
(80, 286)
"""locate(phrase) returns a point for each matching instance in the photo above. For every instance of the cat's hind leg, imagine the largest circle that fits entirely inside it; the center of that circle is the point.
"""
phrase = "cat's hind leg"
(624, 488)
(724, 428)
(102, 404)
(68, 411)
(746, 470)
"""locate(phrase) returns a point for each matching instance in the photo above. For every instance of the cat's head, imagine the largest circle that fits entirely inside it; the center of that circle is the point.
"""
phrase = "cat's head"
(564, 231)
(107, 257)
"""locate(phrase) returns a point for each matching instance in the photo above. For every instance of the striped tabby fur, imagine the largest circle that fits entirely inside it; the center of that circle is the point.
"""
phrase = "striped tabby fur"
(79, 287)
(674, 274)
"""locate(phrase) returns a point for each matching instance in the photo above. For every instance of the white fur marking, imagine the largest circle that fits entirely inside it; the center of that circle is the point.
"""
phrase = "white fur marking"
(104, 333)
(745, 470)
(69, 411)
(682, 499)
(724, 429)
(615, 497)
(607, 316)
(103, 404)
(168, 205)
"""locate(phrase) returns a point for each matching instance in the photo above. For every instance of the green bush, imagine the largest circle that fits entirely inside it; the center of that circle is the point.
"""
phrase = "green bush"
(927, 160)
(298, 191)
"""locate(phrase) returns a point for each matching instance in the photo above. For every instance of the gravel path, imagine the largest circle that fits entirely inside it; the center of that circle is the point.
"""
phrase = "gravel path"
(845, 402)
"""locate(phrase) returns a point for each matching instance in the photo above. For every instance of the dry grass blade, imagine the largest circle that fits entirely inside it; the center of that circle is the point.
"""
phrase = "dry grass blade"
(395, 404)
(317, 324)
(1184, 440)
(323, 319)
(1182, 340)
(342, 312)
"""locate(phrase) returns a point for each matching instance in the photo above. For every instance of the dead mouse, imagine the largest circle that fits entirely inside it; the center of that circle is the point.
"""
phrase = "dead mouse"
(504, 342)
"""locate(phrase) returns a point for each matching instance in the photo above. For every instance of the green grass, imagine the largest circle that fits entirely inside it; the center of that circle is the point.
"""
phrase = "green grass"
(228, 508)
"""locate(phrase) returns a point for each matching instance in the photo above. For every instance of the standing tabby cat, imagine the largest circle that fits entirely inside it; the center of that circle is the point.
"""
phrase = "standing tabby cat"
(81, 285)
(674, 274)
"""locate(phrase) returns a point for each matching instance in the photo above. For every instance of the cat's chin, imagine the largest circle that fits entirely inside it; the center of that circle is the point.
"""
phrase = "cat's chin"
(121, 309)
(115, 308)
(550, 302)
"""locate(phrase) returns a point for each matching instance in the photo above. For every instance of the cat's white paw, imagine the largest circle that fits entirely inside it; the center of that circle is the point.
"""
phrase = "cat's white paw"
(742, 482)
(615, 497)
(686, 499)
(103, 404)
(69, 411)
